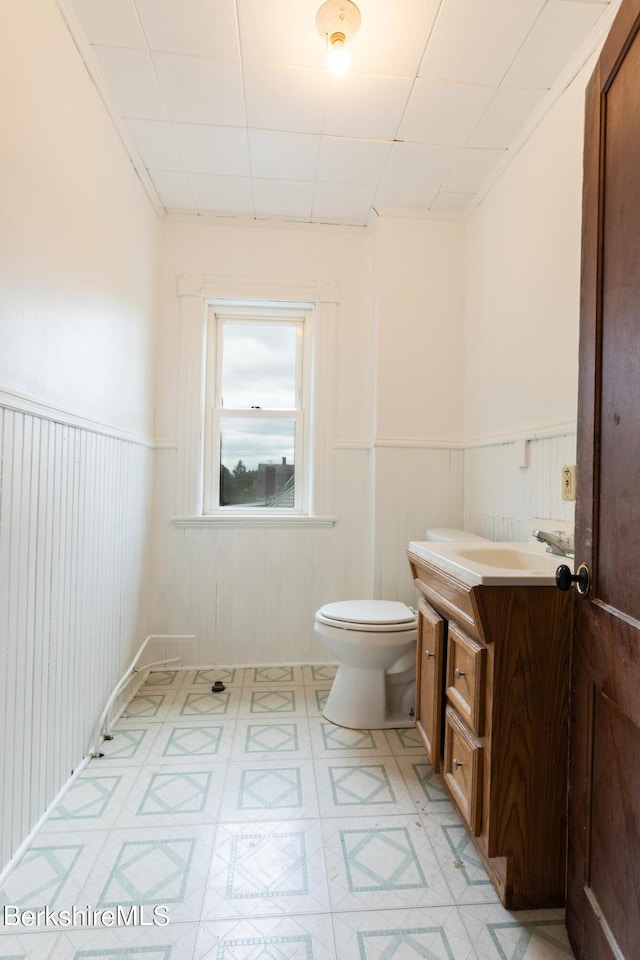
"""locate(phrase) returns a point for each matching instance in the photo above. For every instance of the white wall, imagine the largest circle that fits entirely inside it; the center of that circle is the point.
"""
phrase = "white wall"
(419, 304)
(418, 330)
(77, 272)
(523, 283)
(522, 327)
(77, 254)
(250, 595)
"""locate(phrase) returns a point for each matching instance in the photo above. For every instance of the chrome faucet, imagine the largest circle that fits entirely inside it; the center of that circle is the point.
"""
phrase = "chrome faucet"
(558, 543)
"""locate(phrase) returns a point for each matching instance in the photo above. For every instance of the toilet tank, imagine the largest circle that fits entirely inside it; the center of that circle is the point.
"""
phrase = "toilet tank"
(451, 533)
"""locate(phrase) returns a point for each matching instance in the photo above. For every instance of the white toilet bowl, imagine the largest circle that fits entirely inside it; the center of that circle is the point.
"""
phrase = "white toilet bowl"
(375, 642)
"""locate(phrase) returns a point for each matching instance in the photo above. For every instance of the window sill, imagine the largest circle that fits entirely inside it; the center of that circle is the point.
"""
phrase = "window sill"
(252, 520)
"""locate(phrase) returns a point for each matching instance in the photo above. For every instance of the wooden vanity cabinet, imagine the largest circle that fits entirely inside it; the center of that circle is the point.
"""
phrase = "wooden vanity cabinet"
(492, 710)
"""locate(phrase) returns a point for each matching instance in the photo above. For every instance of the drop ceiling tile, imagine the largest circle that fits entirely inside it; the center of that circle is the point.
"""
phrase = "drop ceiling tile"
(201, 28)
(157, 144)
(419, 164)
(507, 114)
(282, 32)
(561, 29)
(283, 156)
(284, 98)
(443, 112)
(174, 190)
(197, 90)
(283, 198)
(352, 161)
(410, 197)
(471, 170)
(474, 41)
(111, 23)
(132, 79)
(453, 204)
(341, 202)
(392, 37)
(368, 108)
(221, 151)
(224, 195)
(389, 42)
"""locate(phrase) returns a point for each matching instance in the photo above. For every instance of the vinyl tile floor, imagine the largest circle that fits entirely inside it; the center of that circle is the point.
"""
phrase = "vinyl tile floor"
(242, 825)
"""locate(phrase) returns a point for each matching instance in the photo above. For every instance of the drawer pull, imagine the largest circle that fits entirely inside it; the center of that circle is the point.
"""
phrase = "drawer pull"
(427, 654)
(458, 673)
(456, 763)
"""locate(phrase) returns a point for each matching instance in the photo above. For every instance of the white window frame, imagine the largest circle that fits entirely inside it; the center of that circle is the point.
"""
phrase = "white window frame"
(299, 315)
(195, 292)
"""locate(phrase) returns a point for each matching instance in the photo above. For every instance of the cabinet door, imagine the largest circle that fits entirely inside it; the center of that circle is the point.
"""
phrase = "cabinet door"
(429, 680)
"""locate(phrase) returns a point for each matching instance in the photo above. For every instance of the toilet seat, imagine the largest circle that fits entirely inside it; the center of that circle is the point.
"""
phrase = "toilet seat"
(368, 616)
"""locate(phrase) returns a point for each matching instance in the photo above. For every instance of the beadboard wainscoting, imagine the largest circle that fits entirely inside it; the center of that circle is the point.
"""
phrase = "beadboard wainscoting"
(417, 486)
(509, 482)
(74, 530)
(249, 592)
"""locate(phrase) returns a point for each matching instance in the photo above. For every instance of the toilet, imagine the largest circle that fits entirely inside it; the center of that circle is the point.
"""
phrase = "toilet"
(375, 644)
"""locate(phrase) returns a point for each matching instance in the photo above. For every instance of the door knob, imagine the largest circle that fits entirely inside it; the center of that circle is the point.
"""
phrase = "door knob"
(564, 578)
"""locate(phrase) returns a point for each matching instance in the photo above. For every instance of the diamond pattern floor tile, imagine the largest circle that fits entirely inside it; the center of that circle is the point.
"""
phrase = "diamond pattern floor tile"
(171, 941)
(435, 933)
(424, 785)
(266, 833)
(274, 702)
(498, 934)
(275, 675)
(229, 676)
(268, 938)
(27, 946)
(269, 792)
(382, 863)
(465, 874)
(130, 746)
(153, 866)
(263, 867)
(52, 871)
(205, 704)
(328, 740)
(319, 673)
(360, 786)
(149, 872)
(271, 739)
(87, 799)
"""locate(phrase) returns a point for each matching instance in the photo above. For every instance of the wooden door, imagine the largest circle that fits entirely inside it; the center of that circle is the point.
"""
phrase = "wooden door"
(603, 894)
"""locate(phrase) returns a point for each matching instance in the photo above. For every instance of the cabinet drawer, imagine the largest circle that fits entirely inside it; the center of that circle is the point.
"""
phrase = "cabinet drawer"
(465, 684)
(463, 769)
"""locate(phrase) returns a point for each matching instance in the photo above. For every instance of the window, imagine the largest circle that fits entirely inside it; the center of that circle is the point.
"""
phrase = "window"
(258, 418)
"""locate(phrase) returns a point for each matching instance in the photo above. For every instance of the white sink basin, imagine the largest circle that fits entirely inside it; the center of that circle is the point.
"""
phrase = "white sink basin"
(493, 563)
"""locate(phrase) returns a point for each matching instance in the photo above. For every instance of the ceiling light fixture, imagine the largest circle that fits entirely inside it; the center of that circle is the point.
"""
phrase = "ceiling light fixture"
(338, 22)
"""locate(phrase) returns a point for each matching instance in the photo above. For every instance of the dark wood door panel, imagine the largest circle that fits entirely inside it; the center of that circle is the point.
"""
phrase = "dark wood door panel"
(603, 877)
(618, 453)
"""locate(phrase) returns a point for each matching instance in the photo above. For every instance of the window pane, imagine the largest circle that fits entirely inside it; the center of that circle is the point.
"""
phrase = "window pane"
(257, 462)
(259, 365)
